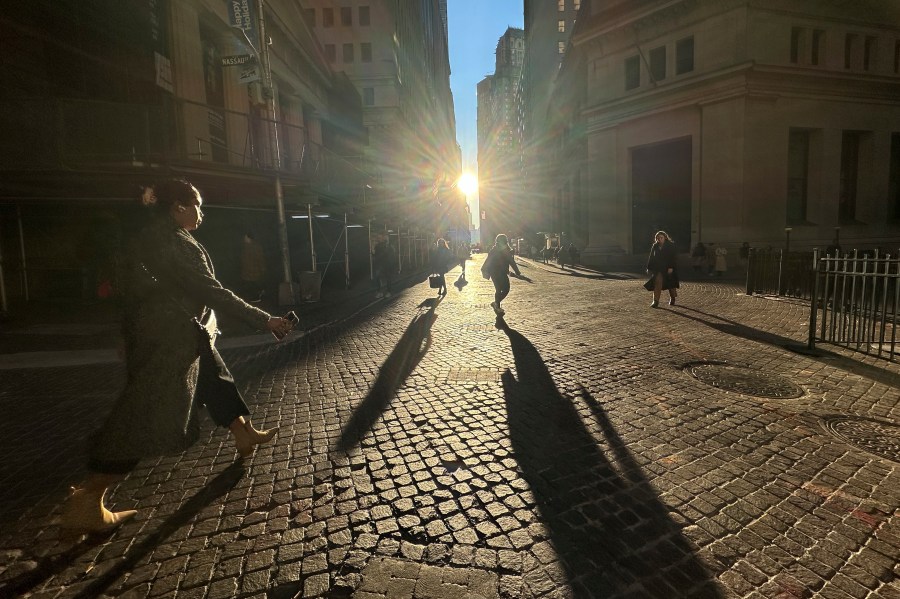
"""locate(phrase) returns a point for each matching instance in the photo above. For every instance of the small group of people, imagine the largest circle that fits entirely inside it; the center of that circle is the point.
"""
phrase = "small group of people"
(169, 292)
(713, 260)
(443, 259)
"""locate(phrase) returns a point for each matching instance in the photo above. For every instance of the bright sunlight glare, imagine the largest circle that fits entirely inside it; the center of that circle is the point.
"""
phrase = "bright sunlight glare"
(468, 183)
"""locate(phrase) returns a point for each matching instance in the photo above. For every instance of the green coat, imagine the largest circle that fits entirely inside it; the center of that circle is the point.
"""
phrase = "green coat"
(157, 413)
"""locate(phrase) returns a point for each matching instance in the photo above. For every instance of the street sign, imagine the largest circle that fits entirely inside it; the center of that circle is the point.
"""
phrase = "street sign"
(236, 60)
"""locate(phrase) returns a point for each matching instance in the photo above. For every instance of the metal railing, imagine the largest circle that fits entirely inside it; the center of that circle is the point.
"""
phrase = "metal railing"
(855, 302)
(77, 133)
(777, 272)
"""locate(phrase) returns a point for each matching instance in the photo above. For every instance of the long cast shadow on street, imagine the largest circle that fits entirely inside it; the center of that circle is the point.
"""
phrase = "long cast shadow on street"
(609, 529)
(404, 358)
(49, 567)
(731, 327)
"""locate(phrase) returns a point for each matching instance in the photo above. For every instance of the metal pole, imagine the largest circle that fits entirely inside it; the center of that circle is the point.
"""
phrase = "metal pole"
(399, 249)
(22, 251)
(346, 253)
(371, 264)
(814, 303)
(3, 305)
(312, 242)
(286, 292)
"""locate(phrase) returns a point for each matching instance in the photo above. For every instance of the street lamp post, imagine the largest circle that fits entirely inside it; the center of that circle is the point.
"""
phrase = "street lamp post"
(787, 239)
(286, 295)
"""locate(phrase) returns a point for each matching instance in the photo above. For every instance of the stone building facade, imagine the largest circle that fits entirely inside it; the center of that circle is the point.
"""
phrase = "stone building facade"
(735, 120)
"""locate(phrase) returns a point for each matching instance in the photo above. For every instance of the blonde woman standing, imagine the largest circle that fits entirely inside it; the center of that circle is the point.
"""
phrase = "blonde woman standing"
(663, 268)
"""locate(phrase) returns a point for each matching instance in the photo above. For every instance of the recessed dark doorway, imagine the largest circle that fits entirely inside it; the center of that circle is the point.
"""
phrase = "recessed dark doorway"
(661, 193)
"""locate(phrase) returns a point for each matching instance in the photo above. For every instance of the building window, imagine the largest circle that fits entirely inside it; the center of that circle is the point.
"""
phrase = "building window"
(310, 14)
(577, 5)
(561, 5)
(632, 72)
(869, 52)
(684, 55)
(561, 47)
(365, 52)
(818, 46)
(849, 45)
(327, 17)
(894, 180)
(330, 53)
(849, 176)
(348, 52)
(796, 37)
(364, 16)
(346, 16)
(368, 96)
(798, 176)
(561, 26)
(658, 63)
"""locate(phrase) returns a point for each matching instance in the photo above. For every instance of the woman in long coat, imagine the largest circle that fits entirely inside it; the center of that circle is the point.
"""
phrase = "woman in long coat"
(442, 260)
(170, 287)
(663, 268)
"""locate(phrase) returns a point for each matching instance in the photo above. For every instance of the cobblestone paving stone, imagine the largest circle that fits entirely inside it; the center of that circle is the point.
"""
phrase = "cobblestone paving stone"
(427, 452)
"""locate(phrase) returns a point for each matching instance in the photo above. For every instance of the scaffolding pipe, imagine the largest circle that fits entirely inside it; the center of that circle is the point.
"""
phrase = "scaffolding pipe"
(22, 251)
(312, 243)
(346, 254)
(3, 305)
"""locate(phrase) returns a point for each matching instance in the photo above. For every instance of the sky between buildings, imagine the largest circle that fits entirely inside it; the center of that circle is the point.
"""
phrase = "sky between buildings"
(474, 27)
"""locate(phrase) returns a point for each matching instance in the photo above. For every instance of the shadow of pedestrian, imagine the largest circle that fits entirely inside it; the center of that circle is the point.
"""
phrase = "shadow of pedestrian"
(49, 567)
(404, 358)
(608, 527)
(730, 327)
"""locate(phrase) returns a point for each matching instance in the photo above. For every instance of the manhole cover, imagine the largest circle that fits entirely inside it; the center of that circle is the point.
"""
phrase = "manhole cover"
(874, 436)
(745, 381)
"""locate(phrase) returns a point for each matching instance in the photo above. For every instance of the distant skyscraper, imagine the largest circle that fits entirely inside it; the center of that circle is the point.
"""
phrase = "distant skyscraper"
(443, 4)
(499, 142)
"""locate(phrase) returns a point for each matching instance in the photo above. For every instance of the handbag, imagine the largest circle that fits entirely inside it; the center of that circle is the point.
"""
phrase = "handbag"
(436, 281)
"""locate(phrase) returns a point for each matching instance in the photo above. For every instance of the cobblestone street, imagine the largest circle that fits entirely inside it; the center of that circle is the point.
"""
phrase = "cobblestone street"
(587, 446)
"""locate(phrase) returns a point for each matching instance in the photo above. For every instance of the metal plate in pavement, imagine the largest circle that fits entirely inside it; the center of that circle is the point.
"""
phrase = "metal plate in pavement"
(744, 380)
(873, 436)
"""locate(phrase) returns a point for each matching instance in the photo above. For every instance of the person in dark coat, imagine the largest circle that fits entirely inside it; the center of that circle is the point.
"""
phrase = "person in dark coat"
(662, 267)
(442, 260)
(496, 267)
(384, 262)
(171, 290)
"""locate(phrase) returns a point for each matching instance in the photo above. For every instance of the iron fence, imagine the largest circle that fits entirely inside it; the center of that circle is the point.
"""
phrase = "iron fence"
(855, 302)
(777, 272)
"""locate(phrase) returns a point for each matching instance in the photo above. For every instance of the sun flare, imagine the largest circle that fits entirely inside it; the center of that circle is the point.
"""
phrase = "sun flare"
(467, 183)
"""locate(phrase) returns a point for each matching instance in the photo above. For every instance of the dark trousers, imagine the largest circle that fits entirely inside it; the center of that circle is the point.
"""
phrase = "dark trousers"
(215, 389)
(501, 287)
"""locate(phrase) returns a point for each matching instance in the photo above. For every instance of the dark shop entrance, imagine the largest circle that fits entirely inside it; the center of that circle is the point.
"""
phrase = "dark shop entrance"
(661, 193)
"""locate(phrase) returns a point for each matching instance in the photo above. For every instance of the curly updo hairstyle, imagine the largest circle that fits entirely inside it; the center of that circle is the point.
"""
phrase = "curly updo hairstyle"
(174, 192)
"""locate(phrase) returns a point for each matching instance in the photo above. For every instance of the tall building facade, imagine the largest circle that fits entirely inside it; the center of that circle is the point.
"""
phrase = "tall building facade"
(499, 139)
(103, 97)
(728, 121)
(396, 53)
(546, 205)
